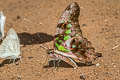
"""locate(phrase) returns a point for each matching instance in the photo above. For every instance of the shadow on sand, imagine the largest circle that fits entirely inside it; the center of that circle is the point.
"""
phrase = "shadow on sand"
(37, 38)
(8, 61)
(66, 65)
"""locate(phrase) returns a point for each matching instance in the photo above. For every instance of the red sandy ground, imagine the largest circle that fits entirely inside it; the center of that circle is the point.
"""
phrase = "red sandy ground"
(32, 17)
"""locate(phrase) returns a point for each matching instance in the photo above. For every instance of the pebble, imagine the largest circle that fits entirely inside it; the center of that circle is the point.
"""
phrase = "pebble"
(40, 23)
(106, 20)
(83, 76)
(98, 64)
(30, 57)
(19, 77)
(84, 25)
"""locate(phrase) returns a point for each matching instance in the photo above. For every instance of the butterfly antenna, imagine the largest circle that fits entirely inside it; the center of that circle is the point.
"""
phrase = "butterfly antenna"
(21, 55)
(44, 46)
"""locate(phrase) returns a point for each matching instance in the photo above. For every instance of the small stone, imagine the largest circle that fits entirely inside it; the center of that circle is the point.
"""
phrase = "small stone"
(40, 23)
(98, 64)
(83, 76)
(81, 7)
(19, 77)
(25, 19)
(106, 20)
(30, 57)
(114, 66)
(84, 25)
(18, 17)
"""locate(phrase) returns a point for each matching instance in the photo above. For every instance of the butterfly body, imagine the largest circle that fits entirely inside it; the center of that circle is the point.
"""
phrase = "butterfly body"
(69, 41)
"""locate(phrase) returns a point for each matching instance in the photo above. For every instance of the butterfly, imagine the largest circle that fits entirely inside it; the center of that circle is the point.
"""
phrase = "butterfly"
(69, 43)
(10, 47)
(2, 23)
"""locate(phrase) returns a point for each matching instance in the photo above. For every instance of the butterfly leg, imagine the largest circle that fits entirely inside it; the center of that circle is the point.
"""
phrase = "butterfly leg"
(58, 62)
(49, 61)
(9, 60)
(13, 61)
(54, 61)
(20, 58)
(71, 62)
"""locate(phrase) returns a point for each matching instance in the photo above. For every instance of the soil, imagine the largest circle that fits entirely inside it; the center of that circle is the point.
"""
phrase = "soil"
(100, 23)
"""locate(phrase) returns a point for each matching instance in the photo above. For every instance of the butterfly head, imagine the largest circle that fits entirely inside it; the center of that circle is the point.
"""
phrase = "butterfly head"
(51, 54)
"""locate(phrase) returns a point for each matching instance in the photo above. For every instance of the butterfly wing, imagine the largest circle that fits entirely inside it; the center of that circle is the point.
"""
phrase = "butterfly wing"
(10, 47)
(68, 27)
(69, 20)
(69, 40)
(2, 23)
